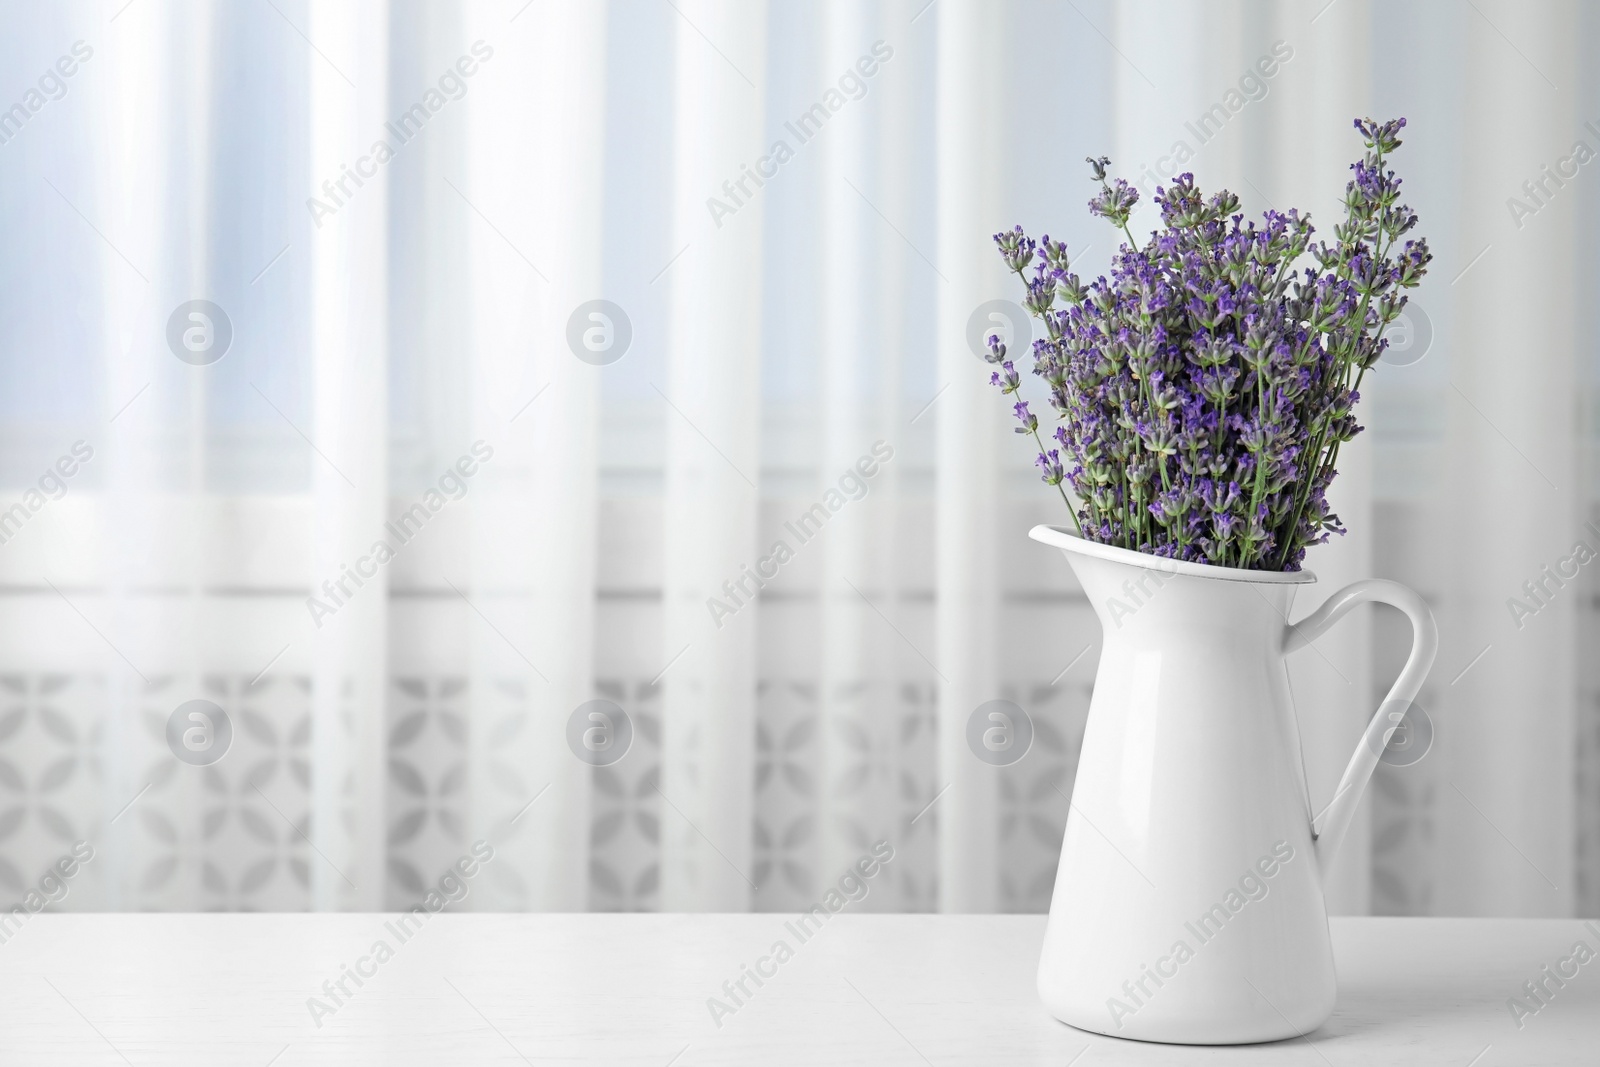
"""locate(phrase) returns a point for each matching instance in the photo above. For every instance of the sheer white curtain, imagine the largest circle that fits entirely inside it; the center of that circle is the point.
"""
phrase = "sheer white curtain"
(971, 92)
(349, 494)
(1516, 495)
(785, 319)
(713, 462)
(129, 118)
(854, 672)
(526, 582)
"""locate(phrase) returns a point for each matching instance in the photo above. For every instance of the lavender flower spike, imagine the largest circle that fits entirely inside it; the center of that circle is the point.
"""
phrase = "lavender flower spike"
(1203, 389)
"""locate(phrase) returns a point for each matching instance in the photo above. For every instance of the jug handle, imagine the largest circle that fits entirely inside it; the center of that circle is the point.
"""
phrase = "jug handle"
(1328, 827)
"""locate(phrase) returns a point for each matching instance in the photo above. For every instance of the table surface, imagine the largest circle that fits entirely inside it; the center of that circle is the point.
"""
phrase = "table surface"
(633, 989)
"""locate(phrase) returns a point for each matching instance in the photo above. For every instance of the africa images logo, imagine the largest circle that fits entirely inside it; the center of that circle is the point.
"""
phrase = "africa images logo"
(199, 732)
(199, 332)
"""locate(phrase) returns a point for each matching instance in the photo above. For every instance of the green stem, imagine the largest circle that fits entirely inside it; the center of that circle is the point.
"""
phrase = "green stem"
(1319, 463)
(1064, 499)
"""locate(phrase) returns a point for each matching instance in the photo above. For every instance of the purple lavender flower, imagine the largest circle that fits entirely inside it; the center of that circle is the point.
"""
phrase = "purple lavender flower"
(1203, 388)
(1049, 463)
(1030, 421)
(1115, 202)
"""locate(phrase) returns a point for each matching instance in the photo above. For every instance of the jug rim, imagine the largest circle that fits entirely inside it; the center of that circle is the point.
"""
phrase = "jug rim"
(1063, 538)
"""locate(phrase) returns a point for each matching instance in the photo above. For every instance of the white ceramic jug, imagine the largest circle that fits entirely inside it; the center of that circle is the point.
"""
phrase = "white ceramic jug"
(1188, 905)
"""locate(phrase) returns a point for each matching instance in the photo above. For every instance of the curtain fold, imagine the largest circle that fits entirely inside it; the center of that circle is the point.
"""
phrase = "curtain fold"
(971, 75)
(349, 468)
(903, 283)
(528, 597)
(712, 464)
(1513, 492)
(134, 103)
(855, 691)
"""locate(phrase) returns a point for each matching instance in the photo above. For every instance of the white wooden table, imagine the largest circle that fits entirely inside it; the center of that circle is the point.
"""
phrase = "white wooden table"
(632, 989)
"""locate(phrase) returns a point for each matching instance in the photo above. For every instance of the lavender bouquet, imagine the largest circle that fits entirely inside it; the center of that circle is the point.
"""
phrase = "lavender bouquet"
(1204, 389)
